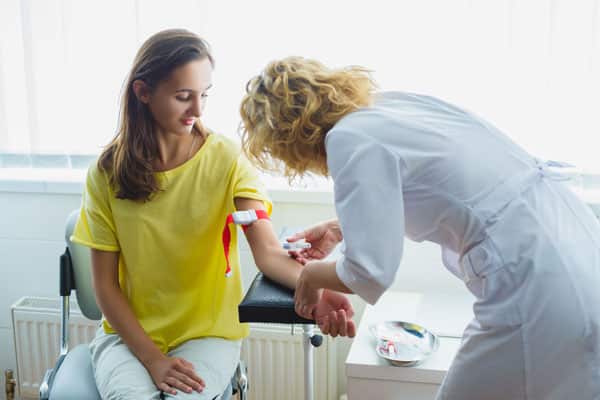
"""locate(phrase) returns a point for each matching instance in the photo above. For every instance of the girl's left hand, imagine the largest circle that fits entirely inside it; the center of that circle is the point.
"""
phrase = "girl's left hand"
(306, 295)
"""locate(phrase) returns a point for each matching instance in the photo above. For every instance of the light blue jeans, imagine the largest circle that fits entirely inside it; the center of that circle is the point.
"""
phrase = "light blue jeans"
(120, 375)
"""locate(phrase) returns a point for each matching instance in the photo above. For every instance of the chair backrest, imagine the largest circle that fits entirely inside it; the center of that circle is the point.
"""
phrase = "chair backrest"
(81, 262)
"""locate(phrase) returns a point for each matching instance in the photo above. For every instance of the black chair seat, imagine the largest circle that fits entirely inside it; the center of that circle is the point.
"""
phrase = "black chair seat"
(267, 301)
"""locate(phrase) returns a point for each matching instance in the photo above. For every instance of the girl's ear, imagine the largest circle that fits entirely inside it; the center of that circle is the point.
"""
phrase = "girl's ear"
(141, 90)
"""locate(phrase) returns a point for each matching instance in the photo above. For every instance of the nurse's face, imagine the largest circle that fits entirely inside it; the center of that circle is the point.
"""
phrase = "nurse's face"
(178, 102)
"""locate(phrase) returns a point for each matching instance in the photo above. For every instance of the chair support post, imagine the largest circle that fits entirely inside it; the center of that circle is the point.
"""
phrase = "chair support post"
(64, 326)
(308, 361)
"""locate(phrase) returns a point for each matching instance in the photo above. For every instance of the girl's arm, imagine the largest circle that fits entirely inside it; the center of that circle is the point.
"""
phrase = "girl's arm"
(332, 310)
(167, 373)
(270, 258)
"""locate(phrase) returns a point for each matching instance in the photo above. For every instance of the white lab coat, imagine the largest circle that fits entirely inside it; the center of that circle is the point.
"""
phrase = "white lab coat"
(522, 242)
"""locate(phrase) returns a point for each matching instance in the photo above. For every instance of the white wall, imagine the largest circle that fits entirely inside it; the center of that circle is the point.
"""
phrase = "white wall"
(32, 216)
(31, 240)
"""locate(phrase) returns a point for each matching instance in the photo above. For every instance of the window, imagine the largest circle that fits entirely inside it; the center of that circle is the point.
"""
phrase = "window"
(529, 67)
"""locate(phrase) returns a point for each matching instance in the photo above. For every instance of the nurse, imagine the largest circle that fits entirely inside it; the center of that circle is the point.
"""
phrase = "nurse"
(410, 165)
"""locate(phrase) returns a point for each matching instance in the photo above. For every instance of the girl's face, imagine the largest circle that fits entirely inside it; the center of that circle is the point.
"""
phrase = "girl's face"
(178, 102)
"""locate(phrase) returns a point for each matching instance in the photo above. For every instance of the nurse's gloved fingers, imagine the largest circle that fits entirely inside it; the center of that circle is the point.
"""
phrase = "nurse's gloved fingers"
(324, 325)
(348, 309)
(297, 257)
(298, 307)
(313, 254)
(343, 321)
(334, 324)
(298, 254)
(299, 310)
(351, 329)
(296, 236)
(305, 253)
(310, 312)
(303, 310)
(302, 260)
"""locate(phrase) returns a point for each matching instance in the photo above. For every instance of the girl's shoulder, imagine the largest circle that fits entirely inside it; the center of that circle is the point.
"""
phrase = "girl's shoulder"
(224, 143)
(96, 175)
(224, 147)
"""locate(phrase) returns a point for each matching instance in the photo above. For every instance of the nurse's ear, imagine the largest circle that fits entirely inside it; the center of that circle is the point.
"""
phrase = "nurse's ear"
(141, 91)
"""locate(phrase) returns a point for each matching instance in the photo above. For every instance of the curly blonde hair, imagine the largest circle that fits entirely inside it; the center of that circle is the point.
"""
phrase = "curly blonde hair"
(289, 108)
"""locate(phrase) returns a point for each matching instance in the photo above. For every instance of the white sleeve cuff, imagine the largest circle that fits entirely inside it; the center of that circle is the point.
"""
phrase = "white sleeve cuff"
(365, 287)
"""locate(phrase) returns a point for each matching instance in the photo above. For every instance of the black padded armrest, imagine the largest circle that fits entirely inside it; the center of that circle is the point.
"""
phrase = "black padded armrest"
(267, 301)
(67, 281)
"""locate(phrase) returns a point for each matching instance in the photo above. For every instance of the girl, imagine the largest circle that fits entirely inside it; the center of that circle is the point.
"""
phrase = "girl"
(154, 212)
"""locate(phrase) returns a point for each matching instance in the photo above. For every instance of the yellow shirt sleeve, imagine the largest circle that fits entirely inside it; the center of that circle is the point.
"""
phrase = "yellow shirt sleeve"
(95, 227)
(247, 184)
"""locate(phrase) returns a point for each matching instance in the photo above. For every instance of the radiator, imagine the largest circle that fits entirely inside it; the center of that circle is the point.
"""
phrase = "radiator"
(275, 361)
(273, 356)
(36, 328)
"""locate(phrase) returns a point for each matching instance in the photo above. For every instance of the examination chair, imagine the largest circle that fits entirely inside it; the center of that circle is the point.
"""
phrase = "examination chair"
(72, 377)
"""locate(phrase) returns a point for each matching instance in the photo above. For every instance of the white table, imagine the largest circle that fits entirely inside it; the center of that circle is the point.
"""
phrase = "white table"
(372, 377)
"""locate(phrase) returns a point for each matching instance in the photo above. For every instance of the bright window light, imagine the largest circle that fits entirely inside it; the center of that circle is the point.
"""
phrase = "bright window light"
(529, 67)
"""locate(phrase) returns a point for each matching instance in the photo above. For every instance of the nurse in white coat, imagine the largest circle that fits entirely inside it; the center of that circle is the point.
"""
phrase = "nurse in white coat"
(407, 164)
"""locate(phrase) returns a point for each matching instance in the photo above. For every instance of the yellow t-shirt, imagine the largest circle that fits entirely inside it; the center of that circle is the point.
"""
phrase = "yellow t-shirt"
(171, 263)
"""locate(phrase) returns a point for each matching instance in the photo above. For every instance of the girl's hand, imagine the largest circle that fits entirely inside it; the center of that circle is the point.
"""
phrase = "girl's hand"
(170, 373)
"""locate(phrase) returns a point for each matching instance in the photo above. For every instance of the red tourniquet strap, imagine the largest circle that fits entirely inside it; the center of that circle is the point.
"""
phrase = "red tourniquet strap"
(227, 242)
(260, 214)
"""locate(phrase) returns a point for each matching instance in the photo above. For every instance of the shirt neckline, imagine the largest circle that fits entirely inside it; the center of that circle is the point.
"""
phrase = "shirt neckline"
(190, 161)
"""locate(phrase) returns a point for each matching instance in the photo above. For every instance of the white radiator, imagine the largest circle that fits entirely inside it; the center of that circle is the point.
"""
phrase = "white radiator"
(36, 326)
(273, 356)
(275, 361)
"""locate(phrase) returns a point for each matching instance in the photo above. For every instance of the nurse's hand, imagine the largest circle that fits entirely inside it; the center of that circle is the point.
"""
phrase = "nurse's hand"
(334, 314)
(306, 295)
(323, 238)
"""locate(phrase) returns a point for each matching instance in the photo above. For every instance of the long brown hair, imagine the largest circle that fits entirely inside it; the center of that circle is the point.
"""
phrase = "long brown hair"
(128, 158)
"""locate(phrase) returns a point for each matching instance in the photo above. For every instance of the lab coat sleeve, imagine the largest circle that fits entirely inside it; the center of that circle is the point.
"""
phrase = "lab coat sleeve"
(370, 209)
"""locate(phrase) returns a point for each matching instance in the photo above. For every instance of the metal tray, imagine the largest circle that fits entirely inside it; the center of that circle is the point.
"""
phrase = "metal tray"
(403, 343)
